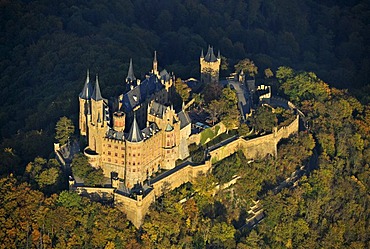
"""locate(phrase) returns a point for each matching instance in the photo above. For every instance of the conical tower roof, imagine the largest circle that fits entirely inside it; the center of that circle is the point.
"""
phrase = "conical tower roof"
(88, 89)
(130, 75)
(135, 134)
(97, 94)
(210, 56)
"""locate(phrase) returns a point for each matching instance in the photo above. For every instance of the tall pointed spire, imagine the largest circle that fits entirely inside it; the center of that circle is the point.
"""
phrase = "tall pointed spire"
(135, 134)
(97, 94)
(202, 54)
(219, 55)
(155, 63)
(87, 90)
(130, 75)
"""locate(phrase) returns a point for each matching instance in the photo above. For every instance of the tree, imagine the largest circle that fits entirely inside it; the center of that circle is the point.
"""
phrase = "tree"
(268, 73)
(264, 119)
(94, 177)
(243, 130)
(247, 66)
(182, 89)
(64, 129)
(80, 166)
(215, 109)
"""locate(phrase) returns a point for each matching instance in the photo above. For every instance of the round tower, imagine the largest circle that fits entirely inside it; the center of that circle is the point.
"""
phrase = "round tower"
(119, 121)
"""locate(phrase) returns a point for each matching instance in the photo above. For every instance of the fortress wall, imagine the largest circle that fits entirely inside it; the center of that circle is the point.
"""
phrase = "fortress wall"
(286, 131)
(258, 147)
(134, 209)
(224, 151)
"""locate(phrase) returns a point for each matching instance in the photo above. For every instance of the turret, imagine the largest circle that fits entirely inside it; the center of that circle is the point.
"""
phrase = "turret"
(119, 121)
(84, 101)
(210, 66)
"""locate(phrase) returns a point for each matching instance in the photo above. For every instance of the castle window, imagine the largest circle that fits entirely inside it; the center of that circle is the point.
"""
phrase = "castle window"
(109, 153)
(108, 145)
(123, 162)
(122, 148)
(129, 154)
(138, 163)
(133, 163)
(123, 155)
(115, 161)
(116, 147)
(115, 154)
(133, 170)
(109, 160)
(133, 155)
(138, 154)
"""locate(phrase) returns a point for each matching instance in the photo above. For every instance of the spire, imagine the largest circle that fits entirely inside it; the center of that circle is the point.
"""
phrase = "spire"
(202, 54)
(135, 134)
(155, 56)
(87, 90)
(97, 94)
(155, 63)
(218, 55)
(130, 75)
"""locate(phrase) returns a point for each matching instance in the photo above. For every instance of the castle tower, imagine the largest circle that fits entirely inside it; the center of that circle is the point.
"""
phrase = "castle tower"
(84, 100)
(134, 145)
(209, 66)
(155, 64)
(97, 125)
(130, 74)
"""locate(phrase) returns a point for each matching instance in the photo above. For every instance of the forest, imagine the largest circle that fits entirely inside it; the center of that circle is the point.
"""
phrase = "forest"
(46, 48)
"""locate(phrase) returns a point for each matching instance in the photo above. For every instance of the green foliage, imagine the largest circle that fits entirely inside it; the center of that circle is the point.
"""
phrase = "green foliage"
(205, 135)
(64, 129)
(247, 66)
(82, 169)
(69, 199)
(44, 174)
(264, 120)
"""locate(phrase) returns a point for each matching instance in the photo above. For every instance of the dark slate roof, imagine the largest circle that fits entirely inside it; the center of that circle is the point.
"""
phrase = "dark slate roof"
(184, 119)
(88, 88)
(97, 94)
(150, 130)
(118, 135)
(140, 93)
(135, 133)
(210, 56)
(157, 109)
(130, 74)
(164, 75)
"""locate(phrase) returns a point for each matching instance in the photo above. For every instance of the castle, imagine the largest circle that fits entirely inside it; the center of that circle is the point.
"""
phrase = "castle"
(136, 134)
(133, 136)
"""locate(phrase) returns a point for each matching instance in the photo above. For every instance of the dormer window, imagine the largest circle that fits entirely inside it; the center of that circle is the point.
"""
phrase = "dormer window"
(135, 98)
